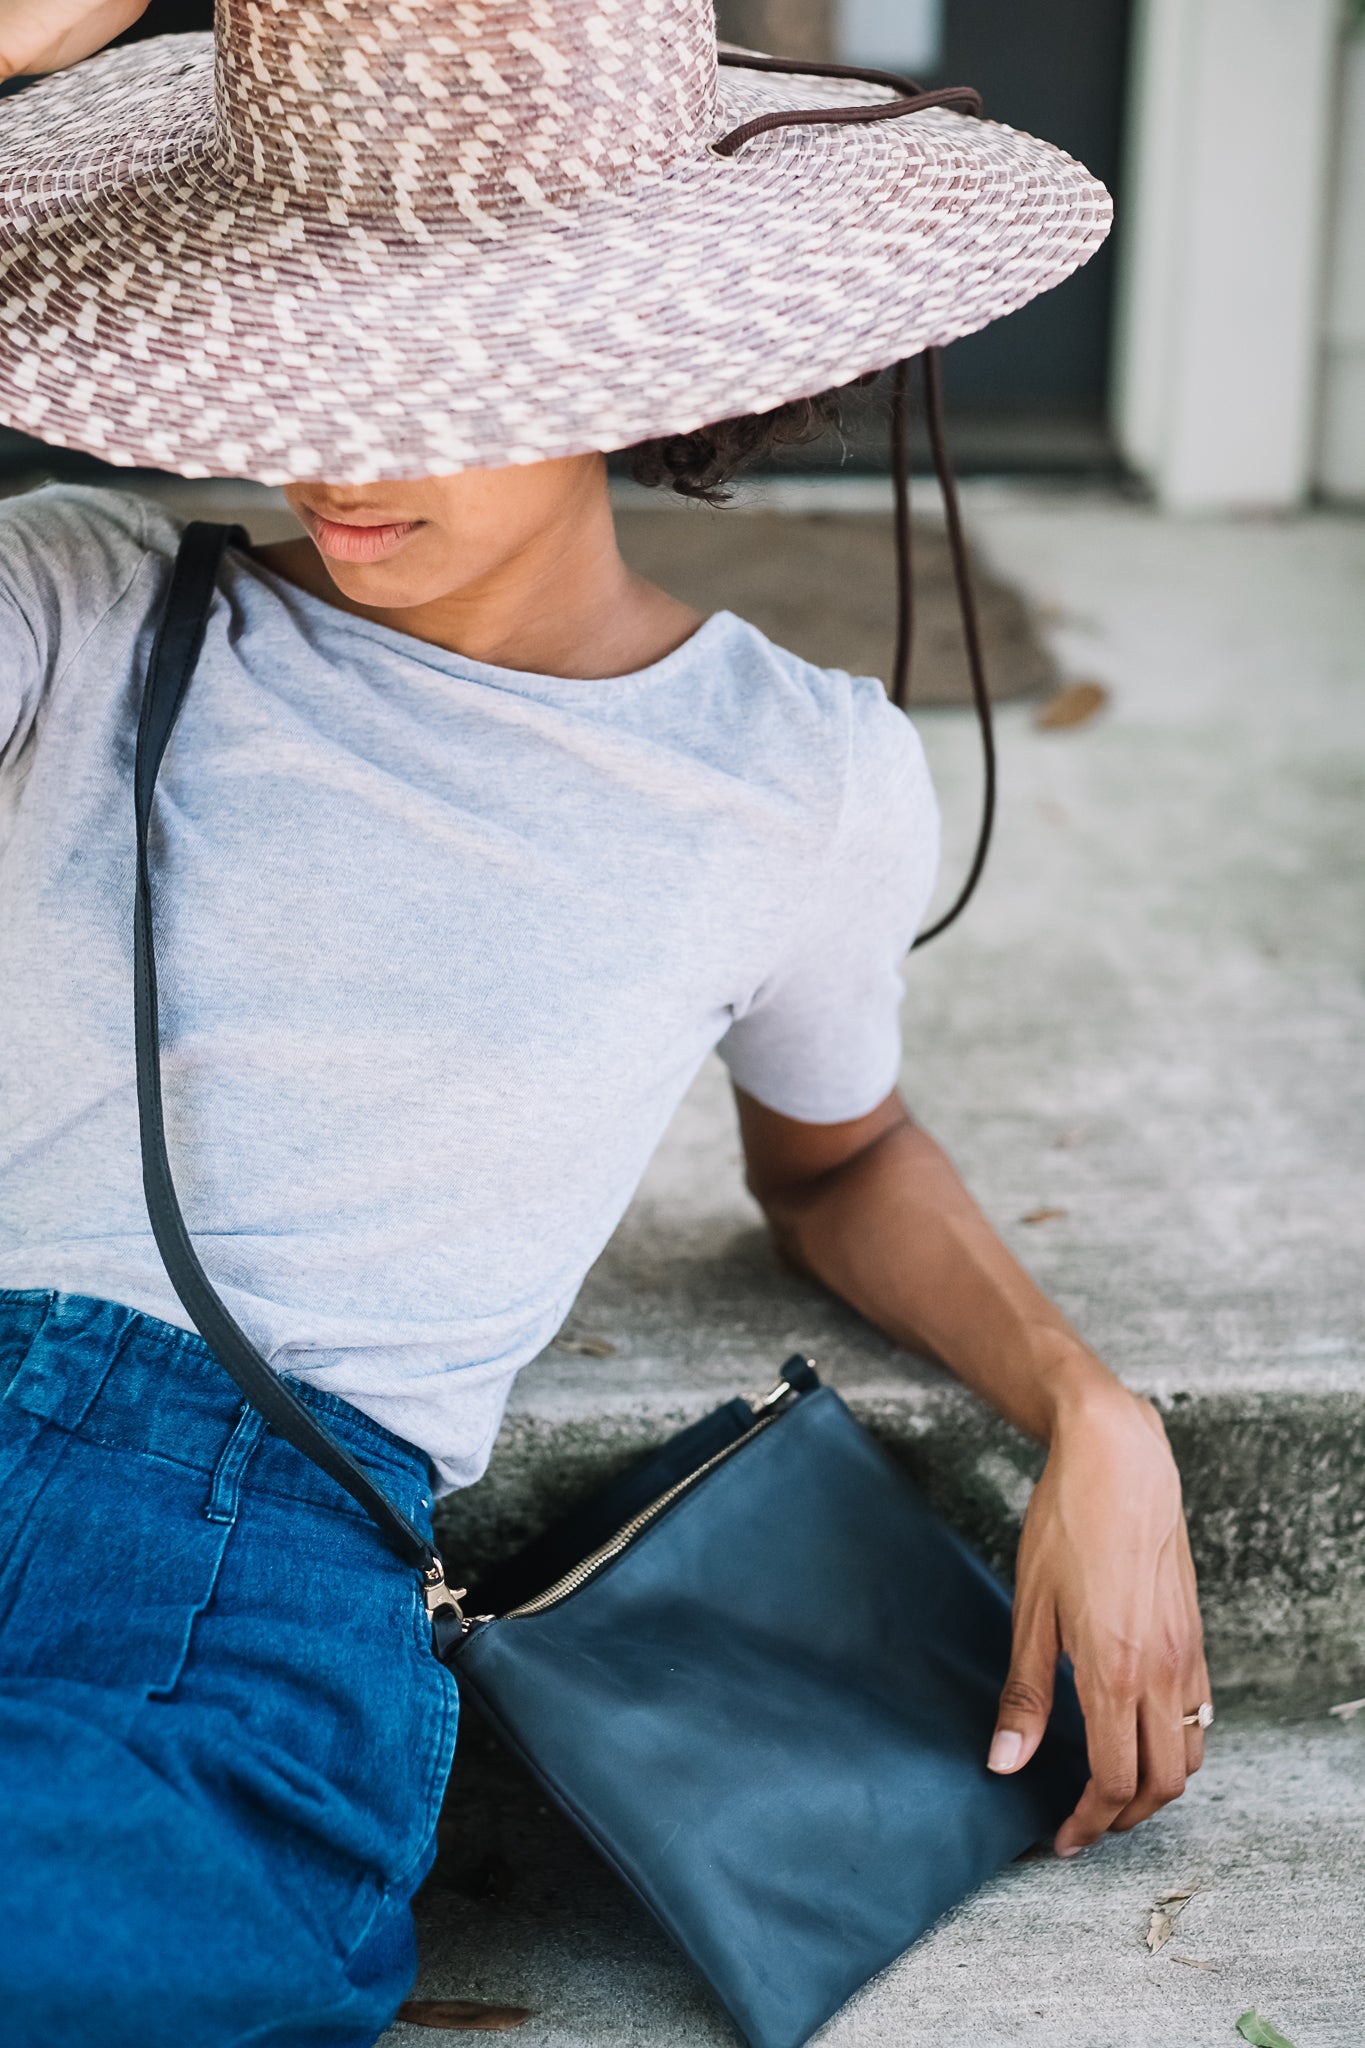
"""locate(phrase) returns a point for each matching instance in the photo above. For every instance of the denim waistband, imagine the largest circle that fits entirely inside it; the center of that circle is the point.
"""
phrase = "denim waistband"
(129, 1380)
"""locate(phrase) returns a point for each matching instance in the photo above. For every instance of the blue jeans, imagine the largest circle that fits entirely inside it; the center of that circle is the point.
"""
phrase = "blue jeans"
(223, 1736)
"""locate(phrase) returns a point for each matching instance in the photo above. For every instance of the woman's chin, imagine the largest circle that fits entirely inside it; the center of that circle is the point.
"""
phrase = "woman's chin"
(382, 586)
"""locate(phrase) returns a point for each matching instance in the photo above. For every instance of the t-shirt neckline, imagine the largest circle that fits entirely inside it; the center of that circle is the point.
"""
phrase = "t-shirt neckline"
(525, 682)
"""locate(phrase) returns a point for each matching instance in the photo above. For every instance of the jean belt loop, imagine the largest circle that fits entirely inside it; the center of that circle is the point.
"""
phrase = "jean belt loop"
(226, 1490)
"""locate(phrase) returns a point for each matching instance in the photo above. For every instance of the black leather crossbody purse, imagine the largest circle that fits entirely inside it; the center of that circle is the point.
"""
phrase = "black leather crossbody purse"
(758, 1670)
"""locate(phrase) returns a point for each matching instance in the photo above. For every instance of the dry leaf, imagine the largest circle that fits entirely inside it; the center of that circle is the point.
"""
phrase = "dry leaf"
(1346, 1710)
(1073, 704)
(1260, 2033)
(463, 2015)
(1165, 1913)
(1042, 1215)
(1195, 1962)
(586, 1347)
(1160, 1930)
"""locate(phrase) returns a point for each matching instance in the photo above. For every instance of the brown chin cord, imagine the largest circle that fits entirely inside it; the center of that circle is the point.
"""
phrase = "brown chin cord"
(911, 99)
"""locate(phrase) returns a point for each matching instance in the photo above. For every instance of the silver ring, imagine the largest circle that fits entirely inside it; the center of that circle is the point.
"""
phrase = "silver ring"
(1202, 1717)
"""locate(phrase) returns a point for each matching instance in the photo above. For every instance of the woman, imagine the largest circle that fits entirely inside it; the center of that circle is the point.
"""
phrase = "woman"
(480, 843)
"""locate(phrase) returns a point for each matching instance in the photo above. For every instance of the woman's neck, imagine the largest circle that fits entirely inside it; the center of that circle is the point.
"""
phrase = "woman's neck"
(559, 602)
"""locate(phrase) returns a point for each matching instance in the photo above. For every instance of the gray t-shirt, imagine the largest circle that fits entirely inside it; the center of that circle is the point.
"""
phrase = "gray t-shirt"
(441, 945)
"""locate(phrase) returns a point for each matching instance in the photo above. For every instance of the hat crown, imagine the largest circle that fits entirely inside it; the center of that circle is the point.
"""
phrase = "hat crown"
(417, 113)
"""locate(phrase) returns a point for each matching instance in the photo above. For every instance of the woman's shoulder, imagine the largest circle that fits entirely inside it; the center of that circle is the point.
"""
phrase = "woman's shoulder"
(69, 557)
(63, 516)
(827, 722)
(74, 549)
(69, 554)
(834, 746)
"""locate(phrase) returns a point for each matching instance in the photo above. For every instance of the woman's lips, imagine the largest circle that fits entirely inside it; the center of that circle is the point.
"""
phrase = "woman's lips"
(352, 543)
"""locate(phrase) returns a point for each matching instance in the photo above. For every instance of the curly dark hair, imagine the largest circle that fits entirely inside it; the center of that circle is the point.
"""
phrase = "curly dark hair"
(704, 463)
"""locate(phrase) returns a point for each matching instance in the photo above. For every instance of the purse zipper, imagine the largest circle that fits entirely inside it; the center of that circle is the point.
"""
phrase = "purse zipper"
(768, 1410)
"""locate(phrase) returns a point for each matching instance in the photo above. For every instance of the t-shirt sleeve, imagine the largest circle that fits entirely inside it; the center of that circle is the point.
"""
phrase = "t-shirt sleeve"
(67, 555)
(820, 1039)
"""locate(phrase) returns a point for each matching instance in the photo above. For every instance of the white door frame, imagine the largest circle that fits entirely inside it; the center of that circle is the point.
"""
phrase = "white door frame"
(1341, 427)
(1222, 236)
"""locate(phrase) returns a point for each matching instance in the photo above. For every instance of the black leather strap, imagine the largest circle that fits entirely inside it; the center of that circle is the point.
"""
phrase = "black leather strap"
(174, 653)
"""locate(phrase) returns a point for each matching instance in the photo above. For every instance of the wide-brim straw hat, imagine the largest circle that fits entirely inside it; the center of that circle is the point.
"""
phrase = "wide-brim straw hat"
(361, 239)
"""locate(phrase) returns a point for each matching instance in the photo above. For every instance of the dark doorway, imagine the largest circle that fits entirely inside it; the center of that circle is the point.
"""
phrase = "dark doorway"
(1057, 70)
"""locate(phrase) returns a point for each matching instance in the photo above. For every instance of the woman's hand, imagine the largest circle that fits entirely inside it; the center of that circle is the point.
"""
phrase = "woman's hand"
(1105, 1574)
(47, 35)
(876, 1210)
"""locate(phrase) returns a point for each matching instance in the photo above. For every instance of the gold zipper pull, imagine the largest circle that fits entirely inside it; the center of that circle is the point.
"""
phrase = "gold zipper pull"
(438, 1595)
(765, 1415)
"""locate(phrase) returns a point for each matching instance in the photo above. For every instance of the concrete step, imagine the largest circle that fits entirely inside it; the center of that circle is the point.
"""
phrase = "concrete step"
(696, 1308)
(1050, 1953)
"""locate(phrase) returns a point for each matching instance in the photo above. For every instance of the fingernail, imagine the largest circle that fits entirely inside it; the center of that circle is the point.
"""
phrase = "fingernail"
(1074, 1850)
(1005, 1750)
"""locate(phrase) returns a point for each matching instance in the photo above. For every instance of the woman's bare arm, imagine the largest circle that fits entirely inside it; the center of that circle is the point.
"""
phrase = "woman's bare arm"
(876, 1211)
(47, 35)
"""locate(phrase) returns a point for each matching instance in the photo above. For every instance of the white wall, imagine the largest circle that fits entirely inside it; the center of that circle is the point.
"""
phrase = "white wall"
(1341, 435)
(1221, 248)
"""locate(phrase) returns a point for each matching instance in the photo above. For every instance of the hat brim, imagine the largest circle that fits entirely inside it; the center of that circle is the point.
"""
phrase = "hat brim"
(157, 310)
